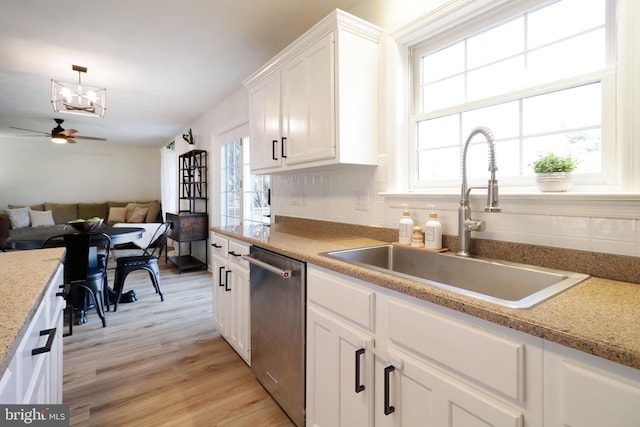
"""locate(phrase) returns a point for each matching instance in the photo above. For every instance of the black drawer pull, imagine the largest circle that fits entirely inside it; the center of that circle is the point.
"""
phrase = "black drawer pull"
(47, 347)
(215, 245)
(226, 280)
(232, 253)
(220, 281)
(359, 386)
(388, 409)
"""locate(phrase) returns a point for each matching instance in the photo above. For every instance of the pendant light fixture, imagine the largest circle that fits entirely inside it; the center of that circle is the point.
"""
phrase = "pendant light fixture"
(76, 98)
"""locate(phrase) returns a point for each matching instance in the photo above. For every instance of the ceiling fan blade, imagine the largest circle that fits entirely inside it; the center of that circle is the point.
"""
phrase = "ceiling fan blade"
(87, 137)
(67, 132)
(71, 140)
(31, 130)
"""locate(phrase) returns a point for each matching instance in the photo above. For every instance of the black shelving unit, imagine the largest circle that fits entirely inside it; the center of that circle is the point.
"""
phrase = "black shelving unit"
(191, 222)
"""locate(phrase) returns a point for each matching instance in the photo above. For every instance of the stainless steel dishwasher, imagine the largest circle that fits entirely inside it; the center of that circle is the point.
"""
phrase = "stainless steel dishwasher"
(278, 328)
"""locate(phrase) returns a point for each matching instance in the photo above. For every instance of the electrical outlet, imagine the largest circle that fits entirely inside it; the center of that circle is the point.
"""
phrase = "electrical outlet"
(361, 200)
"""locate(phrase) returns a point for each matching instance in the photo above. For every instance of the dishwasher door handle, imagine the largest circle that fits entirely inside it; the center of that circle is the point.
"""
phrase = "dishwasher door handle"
(285, 274)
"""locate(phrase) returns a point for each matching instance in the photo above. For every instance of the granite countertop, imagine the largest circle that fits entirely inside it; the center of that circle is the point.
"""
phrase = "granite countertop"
(24, 276)
(597, 316)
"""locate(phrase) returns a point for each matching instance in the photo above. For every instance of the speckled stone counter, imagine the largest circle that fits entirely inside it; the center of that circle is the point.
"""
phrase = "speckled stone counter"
(23, 279)
(597, 316)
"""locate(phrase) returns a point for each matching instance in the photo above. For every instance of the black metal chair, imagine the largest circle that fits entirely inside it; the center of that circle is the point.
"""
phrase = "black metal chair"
(80, 270)
(148, 260)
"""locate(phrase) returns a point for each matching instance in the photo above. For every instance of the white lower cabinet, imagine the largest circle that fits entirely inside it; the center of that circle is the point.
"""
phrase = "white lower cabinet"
(231, 293)
(339, 369)
(422, 365)
(582, 390)
(34, 375)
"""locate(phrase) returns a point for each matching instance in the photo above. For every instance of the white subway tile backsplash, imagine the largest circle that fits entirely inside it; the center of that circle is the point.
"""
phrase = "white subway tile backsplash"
(574, 226)
(613, 247)
(534, 239)
(570, 242)
(623, 230)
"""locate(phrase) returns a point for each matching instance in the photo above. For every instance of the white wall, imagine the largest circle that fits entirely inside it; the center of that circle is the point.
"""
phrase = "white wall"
(37, 171)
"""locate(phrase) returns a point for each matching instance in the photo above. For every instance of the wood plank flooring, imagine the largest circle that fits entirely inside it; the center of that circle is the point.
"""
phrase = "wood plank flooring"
(162, 363)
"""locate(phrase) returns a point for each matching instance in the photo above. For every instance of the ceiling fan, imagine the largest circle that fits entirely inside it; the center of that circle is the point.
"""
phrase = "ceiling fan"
(61, 136)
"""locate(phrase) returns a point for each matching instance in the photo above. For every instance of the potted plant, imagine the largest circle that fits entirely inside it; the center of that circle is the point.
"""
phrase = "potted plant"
(553, 172)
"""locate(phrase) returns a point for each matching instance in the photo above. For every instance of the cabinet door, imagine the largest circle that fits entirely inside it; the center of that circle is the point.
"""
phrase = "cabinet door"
(308, 97)
(586, 391)
(339, 373)
(265, 124)
(219, 295)
(422, 395)
(238, 331)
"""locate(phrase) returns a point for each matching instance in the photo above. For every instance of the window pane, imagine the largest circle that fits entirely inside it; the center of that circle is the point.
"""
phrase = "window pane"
(564, 19)
(443, 93)
(584, 146)
(444, 63)
(502, 77)
(440, 132)
(502, 119)
(496, 44)
(572, 57)
(568, 109)
(439, 164)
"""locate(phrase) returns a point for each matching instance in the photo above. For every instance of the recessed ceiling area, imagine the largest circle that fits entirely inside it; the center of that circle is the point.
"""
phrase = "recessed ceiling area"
(163, 63)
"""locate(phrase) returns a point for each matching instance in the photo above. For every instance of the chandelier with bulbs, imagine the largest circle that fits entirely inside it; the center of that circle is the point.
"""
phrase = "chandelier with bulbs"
(76, 98)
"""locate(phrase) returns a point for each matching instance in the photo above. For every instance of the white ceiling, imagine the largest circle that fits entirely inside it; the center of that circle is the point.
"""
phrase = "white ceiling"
(163, 62)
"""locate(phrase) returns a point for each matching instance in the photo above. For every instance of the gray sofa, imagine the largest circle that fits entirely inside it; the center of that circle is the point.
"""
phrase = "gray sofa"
(61, 213)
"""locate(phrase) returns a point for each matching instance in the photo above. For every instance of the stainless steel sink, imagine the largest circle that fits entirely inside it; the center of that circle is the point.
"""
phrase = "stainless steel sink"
(509, 284)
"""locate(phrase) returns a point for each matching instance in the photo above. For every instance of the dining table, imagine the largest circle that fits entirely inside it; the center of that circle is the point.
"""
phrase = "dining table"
(80, 299)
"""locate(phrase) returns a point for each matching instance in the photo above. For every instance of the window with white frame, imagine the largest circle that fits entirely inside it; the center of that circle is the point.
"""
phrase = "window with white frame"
(540, 79)
(244, 197)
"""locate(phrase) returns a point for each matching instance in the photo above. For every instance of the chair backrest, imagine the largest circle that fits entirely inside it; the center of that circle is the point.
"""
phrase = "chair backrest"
(158, 240)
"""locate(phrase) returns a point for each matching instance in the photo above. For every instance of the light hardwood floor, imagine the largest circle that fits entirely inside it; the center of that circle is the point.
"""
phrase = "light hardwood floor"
(161, 363)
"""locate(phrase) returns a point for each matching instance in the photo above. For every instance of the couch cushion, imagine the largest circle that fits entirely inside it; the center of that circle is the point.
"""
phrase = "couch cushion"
(91, 210)
(117, 214)
(139, 214)
(154, 212)
(19, 217)
(62, 212)
(38, 207)
(41, 218)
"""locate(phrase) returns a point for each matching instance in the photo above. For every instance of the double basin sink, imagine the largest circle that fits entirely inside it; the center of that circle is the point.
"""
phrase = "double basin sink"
(509, 284)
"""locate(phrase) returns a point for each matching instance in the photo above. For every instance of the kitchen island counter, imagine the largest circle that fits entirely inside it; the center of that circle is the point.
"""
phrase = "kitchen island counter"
(24, 276)
(598, 316)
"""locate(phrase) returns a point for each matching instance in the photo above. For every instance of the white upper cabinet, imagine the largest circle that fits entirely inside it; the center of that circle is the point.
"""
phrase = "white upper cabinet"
(315, 103)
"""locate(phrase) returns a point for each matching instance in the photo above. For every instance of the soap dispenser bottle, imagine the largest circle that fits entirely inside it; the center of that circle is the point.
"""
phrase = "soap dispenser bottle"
(405, 227)
(433, 230)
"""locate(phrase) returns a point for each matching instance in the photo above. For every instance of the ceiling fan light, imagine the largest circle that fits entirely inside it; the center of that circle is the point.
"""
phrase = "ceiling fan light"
(58, 139)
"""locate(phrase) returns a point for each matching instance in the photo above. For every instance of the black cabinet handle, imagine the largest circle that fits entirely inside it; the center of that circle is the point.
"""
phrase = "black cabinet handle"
(220, 282)
(388, 409)
(359, 386)
(215, 245)
(226, 280)
(47, 347)
(273, 149)
(284, 139)
(232, 253)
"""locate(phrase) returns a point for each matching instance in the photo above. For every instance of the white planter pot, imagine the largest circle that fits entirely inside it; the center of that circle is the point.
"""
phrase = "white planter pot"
(554, 181)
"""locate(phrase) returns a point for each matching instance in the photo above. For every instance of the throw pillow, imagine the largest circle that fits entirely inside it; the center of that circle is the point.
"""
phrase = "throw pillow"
(117, 215)
(19, 217)
(41, 218)
(139, 214)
